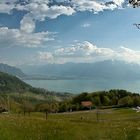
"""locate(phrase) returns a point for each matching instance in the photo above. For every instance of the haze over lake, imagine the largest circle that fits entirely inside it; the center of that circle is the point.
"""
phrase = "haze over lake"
(77, 86)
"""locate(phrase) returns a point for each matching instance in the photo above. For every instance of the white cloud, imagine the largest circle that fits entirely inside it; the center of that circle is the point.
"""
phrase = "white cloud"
(119, 2)
(37, 10)
(41, 11)
(128, 55)
(46, 56)
(80, 52)
(41, 1)
(85, 49)
(41, 8)
(59, 1)
(86, 25)
(6, 8)
(91, 5)
(27, 24)
(88, 5)
(86, 52)
(96, 6)
(15, 37)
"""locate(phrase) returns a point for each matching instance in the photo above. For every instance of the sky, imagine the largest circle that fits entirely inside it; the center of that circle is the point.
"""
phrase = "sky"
(37, 32)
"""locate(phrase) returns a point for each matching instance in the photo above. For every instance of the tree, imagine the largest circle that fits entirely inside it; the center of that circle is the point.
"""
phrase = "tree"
(114, 100)
(106, 101)
(46, 108)
(126, 101)
(136, 100)
(64, 107)
(27, 107)
(97, 102)
(54, 107)
(82, 97)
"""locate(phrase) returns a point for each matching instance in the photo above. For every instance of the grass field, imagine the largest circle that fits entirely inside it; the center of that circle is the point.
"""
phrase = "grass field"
(114, 124)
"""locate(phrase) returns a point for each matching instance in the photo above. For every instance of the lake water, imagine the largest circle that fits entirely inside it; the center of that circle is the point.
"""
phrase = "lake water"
(78, 86)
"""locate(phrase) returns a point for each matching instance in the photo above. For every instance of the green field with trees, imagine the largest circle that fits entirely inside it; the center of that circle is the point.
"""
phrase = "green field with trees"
(113, 124)
(28, 113)
(18, 97)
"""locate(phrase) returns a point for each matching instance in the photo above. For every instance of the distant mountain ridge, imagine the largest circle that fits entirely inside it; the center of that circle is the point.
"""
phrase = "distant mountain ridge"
(99, 70)
(11, 70)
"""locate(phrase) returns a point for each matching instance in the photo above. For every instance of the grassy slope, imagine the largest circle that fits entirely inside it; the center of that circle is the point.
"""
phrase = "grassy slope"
(116, 124)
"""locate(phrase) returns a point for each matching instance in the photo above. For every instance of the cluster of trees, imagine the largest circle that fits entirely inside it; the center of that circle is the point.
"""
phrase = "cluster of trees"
(25, 104)
(44, 92)
(104, 99)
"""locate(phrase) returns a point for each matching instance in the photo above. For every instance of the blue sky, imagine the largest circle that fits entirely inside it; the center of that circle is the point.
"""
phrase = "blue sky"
(47, 31)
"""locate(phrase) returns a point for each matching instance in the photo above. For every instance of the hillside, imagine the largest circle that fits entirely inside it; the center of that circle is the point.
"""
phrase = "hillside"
(12, 86)
(11, 70)
(9, 83)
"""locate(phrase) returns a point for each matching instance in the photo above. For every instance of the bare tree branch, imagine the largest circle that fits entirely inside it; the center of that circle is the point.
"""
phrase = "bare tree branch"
(137, 25)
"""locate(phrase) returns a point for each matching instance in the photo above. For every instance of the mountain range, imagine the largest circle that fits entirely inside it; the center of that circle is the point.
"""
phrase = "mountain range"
(109, 69)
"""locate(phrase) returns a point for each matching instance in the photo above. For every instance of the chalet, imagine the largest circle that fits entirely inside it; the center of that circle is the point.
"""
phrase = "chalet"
(86, 104)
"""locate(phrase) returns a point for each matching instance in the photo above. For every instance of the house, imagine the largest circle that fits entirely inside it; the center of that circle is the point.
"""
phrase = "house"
(86, 104)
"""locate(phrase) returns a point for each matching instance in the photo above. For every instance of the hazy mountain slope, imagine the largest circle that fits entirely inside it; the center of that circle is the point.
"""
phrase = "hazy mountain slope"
(9, 83)
(11, 70)
(12, 85)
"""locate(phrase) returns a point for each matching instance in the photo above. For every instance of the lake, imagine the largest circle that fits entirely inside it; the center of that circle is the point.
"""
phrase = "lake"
(78, 85)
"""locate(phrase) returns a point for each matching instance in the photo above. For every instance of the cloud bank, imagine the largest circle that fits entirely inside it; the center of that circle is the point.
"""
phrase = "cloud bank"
(87, 52)
(17, 38)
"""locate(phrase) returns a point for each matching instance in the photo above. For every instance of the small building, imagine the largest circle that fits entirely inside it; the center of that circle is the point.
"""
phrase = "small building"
(87, 104)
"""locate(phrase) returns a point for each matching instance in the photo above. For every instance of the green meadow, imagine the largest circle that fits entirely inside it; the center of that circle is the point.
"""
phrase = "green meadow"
(113, 124)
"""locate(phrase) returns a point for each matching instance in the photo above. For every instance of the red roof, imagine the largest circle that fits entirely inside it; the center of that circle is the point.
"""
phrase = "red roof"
(86, 103)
